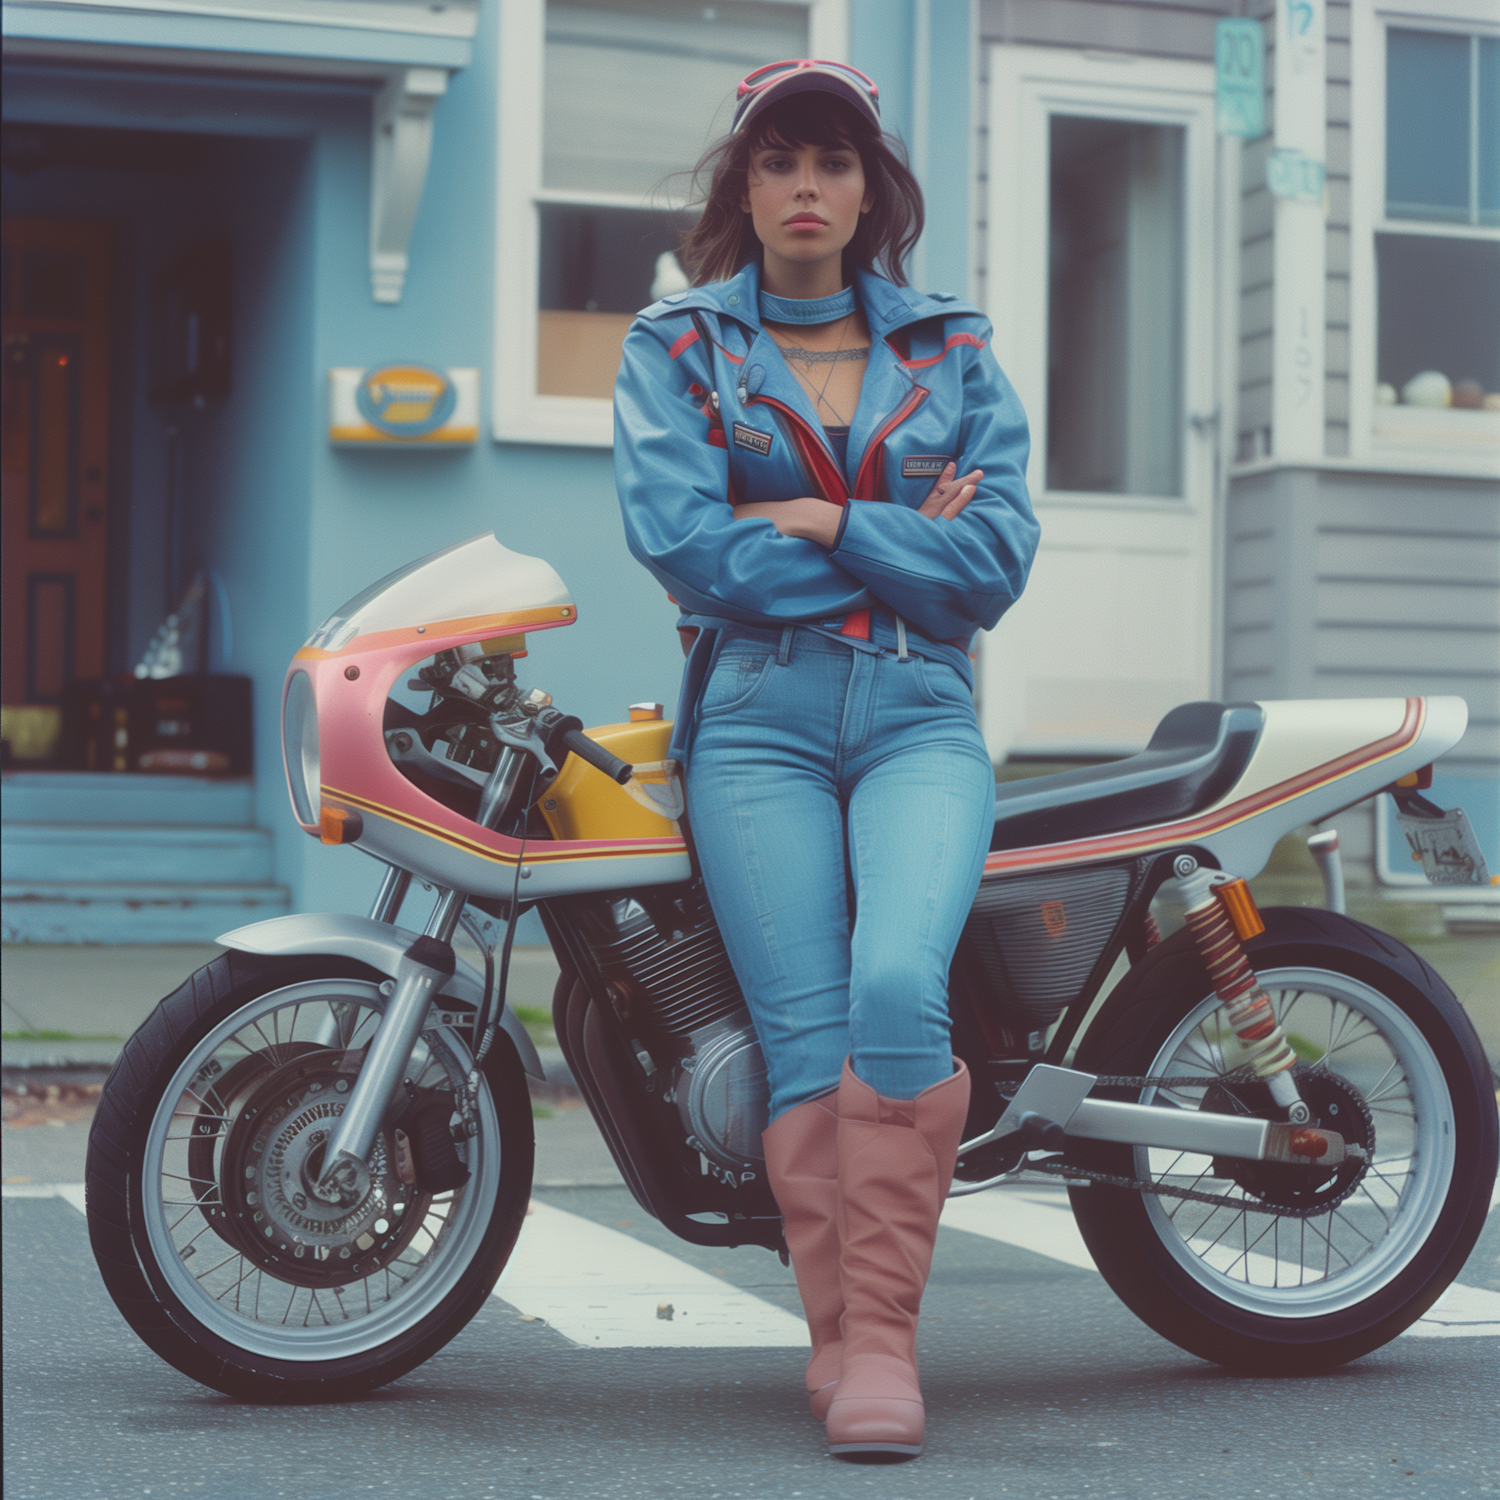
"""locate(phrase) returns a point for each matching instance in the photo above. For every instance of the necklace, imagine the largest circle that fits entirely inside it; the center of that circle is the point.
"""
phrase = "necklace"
(795, 355)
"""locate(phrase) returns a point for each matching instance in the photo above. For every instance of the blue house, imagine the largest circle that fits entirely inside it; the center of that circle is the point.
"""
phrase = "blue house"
(1243, 491)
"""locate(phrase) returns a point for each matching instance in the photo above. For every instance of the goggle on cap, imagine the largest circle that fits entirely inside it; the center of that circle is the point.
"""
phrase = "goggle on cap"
(779, 80)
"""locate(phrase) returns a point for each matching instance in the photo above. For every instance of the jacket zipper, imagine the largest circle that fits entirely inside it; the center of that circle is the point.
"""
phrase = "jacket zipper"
(914, 398)
(814, 452)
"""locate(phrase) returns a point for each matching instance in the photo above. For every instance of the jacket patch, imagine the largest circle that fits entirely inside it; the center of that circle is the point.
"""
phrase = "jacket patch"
(756, 442)
(924, 465)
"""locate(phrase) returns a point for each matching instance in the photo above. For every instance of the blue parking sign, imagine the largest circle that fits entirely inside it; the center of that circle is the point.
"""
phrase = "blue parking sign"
(1240, 78)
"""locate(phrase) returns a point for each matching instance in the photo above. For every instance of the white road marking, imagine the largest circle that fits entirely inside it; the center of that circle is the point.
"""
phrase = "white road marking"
(1041, 1223)
(1462, 1312)
(605, 1290)
(1029, 1221)
(71, 1192)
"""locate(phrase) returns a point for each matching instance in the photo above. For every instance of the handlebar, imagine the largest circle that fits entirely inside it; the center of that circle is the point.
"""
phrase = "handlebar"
(591, 751)
(563, 735)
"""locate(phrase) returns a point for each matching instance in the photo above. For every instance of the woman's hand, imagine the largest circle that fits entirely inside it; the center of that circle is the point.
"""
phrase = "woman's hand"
(950, 494)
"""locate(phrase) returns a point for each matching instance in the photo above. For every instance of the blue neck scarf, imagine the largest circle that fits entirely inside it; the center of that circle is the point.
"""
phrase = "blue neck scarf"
(807, 309)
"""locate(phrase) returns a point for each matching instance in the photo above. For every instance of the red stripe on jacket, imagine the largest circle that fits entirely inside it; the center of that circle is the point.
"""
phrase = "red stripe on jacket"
(953, 340)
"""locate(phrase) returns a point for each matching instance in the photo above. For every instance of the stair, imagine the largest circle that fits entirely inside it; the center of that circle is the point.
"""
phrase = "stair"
(119, 858)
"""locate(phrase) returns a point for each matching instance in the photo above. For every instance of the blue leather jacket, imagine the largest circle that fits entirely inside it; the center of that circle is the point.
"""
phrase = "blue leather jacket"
(700, 429)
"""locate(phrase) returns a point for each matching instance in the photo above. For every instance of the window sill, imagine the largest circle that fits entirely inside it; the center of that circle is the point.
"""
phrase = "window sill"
(561, 421)
(1457, 432)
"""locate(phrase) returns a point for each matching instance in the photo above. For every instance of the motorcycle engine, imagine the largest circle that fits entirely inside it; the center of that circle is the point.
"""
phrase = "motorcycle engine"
(664, 962)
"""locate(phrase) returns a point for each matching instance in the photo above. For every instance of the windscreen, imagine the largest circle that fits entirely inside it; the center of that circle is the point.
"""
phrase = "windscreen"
(476, 577)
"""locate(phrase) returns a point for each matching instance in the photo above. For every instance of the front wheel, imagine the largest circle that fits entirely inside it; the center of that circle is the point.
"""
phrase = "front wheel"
(209, 1132)
(1292, 1269)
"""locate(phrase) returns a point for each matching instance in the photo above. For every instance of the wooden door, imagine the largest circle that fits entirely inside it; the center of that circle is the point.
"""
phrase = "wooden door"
(55, 496)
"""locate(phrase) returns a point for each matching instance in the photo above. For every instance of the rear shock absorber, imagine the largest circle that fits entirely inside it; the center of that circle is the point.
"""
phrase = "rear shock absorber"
(1247, 1007)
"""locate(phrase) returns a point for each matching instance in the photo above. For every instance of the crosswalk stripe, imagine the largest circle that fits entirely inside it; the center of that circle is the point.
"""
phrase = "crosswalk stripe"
(1027, 1221)
(71, 1192)
(605, 1290)
(1461, 1312)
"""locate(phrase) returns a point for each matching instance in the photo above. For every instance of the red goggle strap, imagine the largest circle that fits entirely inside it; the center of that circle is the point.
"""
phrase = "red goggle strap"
(779, 70)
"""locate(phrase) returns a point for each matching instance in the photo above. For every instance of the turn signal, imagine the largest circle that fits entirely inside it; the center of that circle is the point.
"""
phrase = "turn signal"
(1417, 780)
(1239, 906)
(340, 825)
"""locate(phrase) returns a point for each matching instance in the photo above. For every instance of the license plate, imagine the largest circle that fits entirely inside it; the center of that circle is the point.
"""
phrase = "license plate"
(1446, 847)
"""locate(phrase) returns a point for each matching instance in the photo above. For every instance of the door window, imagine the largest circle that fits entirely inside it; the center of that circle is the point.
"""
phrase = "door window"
(1115, 307)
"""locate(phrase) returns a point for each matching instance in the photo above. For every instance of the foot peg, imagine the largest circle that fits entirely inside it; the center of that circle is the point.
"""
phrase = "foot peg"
(1047, 1099)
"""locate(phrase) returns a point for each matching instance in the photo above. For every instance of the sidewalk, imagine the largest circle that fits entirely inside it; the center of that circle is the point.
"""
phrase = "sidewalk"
(74, 1006)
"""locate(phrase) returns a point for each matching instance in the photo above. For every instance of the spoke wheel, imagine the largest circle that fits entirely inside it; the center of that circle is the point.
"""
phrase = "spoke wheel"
(200, 1162)
(1301, 1268)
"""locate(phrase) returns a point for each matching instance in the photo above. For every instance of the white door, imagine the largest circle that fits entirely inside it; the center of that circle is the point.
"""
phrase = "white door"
(1099, 278)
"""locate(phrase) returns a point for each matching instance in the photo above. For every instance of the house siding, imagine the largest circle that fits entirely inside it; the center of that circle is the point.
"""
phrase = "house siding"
(1355, 584)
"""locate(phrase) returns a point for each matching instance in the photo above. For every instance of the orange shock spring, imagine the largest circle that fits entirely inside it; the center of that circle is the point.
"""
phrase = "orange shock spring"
(1150, 930)
(1247, 1007)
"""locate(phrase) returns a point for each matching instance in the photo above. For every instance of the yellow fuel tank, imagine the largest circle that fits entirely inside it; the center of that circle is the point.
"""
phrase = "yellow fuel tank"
(583, 803)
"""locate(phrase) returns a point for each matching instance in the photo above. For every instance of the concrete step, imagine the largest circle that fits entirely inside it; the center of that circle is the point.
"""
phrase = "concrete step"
(132, 912)
(125, 798)
(57, 853)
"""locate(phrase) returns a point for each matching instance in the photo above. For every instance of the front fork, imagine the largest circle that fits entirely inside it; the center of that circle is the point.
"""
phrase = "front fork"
(425, 968)
(1219, 913)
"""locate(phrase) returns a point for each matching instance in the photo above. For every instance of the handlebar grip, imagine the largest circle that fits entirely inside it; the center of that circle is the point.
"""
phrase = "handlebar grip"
(576, 741)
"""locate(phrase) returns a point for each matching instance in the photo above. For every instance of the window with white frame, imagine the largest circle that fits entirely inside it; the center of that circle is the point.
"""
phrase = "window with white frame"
(605, 106)
(1437, 236)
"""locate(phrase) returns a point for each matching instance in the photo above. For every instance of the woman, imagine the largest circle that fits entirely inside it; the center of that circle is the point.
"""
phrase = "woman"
(788, 436)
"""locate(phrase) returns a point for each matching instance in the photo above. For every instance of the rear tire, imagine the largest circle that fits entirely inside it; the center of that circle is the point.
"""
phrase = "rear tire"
(1259, 1288)
(176, 1231)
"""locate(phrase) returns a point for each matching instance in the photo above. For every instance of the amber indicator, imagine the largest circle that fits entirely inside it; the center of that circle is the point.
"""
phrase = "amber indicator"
(340, 825)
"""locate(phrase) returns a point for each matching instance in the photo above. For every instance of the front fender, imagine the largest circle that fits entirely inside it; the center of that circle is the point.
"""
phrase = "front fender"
(378, 945)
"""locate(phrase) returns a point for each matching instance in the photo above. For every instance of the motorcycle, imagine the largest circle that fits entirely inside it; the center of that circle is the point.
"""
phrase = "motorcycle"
(311, 1163)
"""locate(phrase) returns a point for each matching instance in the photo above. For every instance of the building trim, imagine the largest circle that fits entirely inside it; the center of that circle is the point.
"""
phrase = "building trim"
(519, 414)
(224, 41)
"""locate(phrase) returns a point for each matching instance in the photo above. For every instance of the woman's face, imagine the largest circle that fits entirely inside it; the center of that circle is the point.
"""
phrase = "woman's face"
(805, 201)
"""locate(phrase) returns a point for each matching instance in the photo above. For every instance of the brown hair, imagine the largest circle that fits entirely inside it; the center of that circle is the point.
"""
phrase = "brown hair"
(724, 239)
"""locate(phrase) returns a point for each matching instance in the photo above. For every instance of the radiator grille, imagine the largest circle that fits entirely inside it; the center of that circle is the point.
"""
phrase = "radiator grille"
(1038, 936)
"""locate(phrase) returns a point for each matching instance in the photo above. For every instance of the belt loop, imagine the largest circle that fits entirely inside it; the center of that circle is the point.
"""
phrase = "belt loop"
(901, 639)
(784, 651)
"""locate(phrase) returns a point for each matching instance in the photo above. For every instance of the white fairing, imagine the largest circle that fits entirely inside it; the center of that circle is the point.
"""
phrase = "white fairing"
(1282, 788)
(476, 577)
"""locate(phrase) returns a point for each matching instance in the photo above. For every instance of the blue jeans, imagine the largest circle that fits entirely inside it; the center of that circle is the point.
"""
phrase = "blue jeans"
(841, 802)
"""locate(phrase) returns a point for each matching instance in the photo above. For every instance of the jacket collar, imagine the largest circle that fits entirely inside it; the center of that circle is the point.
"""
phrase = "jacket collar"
(886, 306)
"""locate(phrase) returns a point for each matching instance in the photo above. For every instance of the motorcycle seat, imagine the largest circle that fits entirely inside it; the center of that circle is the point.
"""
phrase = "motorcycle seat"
(1196, 754)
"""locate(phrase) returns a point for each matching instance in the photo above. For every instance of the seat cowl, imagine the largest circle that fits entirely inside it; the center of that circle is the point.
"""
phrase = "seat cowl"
(1198, 751)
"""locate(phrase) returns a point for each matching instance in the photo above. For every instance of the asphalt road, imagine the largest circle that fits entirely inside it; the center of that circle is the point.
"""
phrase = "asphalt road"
(1039, 1383)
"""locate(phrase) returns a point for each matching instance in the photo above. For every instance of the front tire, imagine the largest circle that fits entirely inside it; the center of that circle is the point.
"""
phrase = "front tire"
(1296, 1276)
(205, 1243)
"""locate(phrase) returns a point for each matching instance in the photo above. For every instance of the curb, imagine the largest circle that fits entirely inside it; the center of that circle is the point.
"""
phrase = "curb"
(99, 1057)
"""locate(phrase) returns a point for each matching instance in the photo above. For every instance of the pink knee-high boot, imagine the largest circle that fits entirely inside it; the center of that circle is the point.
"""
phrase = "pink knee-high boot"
(802, 1162)
(895, 1164)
